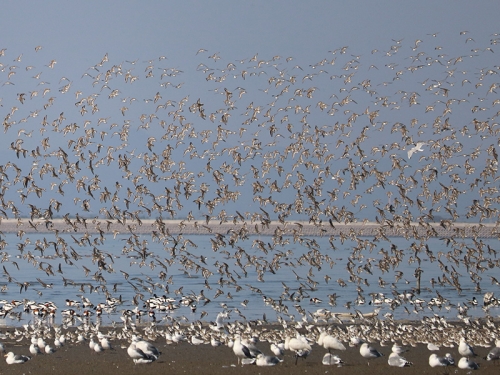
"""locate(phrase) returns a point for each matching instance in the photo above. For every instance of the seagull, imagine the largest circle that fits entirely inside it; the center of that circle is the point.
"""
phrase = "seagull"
(397, 361)
(299, 345)
(11, 358)
(465, 349)
(435, 361)
(146, 347)
(34, 349)
(329, 342)
(331, 359)
(267, 360)
(369, 352)
(467, 364)
(138, 356)
(278, 349)
(417, 147)
(241, 350)
(495, 352)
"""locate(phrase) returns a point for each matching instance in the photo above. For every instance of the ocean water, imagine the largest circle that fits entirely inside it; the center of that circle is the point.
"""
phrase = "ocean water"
(243, 280)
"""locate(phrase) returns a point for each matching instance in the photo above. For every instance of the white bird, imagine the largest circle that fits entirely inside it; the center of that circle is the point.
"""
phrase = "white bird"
(34, 349)
(397, 361)
(195, 340)
(299, 345)
(11, 358)
(146, 347)
(495, 352)
(432, 347)
(396, 348)
(331, 359)
(465, 349)
(241, 349)
(57, 343)
(278, 349)
(105, 344)
(41, 343)
(49, 349)
(435, 361)
(417, 147)
(329, 342)
(138, 356)
(215, 342)
(267, 360)
(467, 364)
(355, 341)
(369, 352)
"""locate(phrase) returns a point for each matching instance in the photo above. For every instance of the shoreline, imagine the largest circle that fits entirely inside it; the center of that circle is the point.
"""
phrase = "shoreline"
(252, 227)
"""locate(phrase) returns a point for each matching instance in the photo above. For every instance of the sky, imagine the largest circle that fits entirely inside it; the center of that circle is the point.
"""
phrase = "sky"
(86, 39)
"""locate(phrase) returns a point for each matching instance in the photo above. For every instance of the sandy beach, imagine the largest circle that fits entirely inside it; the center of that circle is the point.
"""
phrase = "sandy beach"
(205, 359)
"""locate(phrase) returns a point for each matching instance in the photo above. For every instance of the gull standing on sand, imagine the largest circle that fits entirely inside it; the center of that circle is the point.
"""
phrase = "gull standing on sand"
(242, 349)
(299, 345)
(369, 352)
(465, 349)
(329, 342)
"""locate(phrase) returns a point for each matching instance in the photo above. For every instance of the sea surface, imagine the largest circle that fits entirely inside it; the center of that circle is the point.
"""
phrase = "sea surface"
(297, 277)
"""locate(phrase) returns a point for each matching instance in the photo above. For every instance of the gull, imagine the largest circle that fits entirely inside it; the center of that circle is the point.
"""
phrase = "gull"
(11, 358)
(369, 352)
(49, 349)
(467, 364)
(138, 356)
(278, 349)
(267, 360)
(241, 350)
(432, 347)
(465, 349)
(34, 349)
(329, 342)
(417, 147)
(495, 352)
(396, 348)
(331, 359)
(435, 361)
(397, 361)
(146, 347)
(299, 345)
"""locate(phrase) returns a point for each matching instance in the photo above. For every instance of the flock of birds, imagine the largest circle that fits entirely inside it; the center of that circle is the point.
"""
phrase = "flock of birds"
(250, 142)
(246, 340)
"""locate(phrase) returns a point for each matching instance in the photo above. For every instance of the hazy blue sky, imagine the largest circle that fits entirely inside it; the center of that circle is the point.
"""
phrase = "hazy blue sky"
(381, 36)
(78, 34)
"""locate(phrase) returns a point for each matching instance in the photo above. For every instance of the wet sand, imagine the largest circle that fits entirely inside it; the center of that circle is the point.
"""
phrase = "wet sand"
(205, 359)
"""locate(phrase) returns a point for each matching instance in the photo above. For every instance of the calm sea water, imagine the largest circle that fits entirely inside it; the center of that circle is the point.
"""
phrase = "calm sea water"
(300, 272)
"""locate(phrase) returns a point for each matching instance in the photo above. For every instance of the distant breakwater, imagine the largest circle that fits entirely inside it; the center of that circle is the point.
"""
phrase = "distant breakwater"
(418, 231)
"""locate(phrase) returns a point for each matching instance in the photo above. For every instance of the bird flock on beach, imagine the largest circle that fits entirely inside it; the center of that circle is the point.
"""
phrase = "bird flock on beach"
(403, 137)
